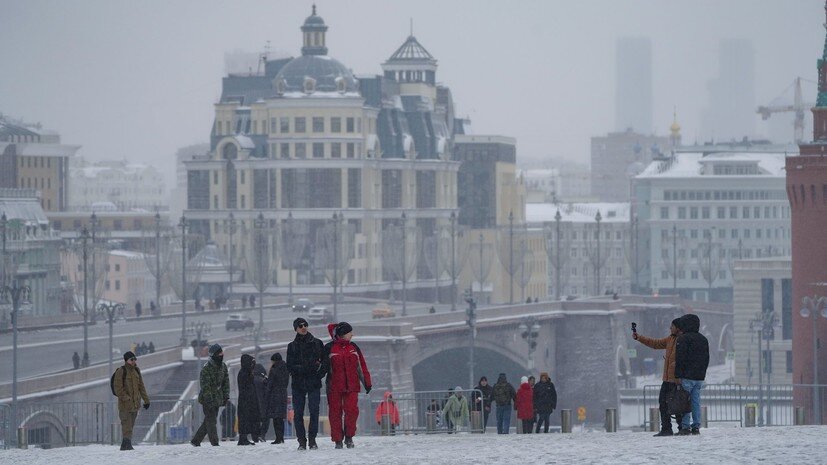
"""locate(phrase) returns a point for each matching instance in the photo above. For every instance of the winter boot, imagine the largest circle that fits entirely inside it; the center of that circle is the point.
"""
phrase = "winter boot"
(684, 432)
(339, 445)
(243, 441)
(666, 432)
(349, 442)
(123, 444)
(195, 444)
(302, 445)
(696, 431)
(311, 444)
(128, 444)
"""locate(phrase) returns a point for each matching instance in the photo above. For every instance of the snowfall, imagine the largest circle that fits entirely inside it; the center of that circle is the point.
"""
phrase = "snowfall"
(719, 446)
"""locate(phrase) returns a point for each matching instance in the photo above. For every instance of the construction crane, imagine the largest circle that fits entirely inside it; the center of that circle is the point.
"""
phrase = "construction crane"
(798, 106)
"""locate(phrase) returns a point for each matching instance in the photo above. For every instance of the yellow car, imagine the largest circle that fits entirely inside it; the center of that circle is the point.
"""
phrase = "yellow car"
(383, 311)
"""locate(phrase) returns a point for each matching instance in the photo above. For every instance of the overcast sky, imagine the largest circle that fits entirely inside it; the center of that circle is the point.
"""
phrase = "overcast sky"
(137, 80)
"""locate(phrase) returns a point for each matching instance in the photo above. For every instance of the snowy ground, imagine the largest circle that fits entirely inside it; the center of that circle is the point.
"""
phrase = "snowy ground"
(719, 446)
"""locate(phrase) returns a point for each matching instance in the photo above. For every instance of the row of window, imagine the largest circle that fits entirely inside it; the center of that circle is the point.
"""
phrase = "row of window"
(758, 233)
(317, 150)
(799, 194)
(588, 271)
(117, 225)
(294, 125)
(705, 213)
(693, 274)
(39, 183)
(35, 162)
(724, 195)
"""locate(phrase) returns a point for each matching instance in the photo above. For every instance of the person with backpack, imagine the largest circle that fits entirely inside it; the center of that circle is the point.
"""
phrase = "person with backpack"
(215, 392)
(691, 362)
(128, 386)
(503, 394)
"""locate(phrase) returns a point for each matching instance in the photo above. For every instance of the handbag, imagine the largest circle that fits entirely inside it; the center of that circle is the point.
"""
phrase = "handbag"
(680, 403)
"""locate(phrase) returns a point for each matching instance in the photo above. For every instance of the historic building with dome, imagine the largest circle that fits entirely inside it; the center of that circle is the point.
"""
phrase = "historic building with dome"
(306, 139)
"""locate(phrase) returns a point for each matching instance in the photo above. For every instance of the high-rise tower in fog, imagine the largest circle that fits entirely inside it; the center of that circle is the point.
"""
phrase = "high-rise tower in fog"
(633, 85)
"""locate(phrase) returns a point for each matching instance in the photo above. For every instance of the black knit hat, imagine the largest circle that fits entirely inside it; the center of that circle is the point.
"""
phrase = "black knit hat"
(297, 322)
(214, 349)
(343, 328)
(275, 357)
(127, 355)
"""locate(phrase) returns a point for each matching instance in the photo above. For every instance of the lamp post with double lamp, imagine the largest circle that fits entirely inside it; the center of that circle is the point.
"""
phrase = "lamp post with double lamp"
(471, 320)
(230, 228)
(199, 329)
(110, 309)
(94, 223)
(812, 307)
(763, 324)
(84, 240)
(14, 292)
(530, 330)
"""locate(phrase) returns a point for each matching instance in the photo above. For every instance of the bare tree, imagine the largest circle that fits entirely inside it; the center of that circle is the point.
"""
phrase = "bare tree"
(186, 267)
(597, 251)
(432, 246)
(635, 255)
(333, 254)
(294, 235)
(558, 250)
(526, 268)
(709, 261)
(454, 254)
(401, 244)
(481, 257)
(155, 245)
(84, 267)
(264, 242)
(674, 257)
(508, 251)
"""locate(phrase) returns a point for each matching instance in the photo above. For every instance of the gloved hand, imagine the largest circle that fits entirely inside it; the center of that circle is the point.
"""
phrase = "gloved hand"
(367, 389)
(146, 406)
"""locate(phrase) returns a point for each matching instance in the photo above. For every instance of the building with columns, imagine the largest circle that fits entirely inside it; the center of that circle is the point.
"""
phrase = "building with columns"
(306, 140)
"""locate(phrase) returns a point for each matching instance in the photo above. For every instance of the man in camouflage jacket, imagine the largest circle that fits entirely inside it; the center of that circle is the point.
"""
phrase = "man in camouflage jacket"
(214, 393)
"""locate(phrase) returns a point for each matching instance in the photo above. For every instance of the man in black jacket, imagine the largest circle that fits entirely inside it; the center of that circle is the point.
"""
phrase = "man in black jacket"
(691, 362)
(481, 401)
(307, 365)
(545, 401)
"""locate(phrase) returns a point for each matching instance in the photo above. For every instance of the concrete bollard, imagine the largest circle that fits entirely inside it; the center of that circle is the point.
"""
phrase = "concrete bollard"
(704, 423)
(71, 435)
(654, 419)
(22, 438)
(476, 421)
(160, 433)
(749, 415)
(611, 420)
(800, 417)
(565, 421)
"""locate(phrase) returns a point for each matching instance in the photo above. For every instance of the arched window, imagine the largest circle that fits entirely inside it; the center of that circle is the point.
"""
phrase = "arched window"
(230, 152)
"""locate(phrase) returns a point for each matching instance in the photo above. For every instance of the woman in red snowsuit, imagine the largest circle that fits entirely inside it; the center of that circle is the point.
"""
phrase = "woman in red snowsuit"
(347, 371)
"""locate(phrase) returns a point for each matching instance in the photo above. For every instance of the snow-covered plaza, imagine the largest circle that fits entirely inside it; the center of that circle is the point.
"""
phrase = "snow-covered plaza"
(719, 446)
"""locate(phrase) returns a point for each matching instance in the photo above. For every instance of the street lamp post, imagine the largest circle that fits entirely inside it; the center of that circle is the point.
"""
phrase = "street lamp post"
(530, 330)
(558, 269)
(231, 229)
(763, 325)
(404, 265)
(598, 218)
(637, 254)
(674, 259)
(183, 225)
(110, 309)
(813, 306)
(471, 320)
(16, 293)
(84, 238)
(157, 264)
(261, 268)
(287, 236)
(511, 257)
(93, 230)
(453, 221)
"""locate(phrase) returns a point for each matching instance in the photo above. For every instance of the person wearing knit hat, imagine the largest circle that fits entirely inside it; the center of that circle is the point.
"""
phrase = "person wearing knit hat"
(456, 410)
(128, 386)
(307, 364)
(347, 372)
(275, 398)
(525, 405)
(344, 328)
(545, 401)
(670, 382)
(214, 380)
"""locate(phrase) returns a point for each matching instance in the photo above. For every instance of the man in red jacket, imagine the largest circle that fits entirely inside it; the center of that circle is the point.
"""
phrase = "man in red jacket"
(347, 369)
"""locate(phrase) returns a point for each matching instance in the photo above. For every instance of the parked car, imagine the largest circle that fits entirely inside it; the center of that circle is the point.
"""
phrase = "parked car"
(383, 310)
(319, 315)
(302, 305)
(237, 321)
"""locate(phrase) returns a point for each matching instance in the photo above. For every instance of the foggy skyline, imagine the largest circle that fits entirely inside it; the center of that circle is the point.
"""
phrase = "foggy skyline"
(139, 80)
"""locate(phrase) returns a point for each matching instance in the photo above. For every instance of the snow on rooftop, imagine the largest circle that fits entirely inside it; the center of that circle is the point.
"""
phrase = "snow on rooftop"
(577, 212)
(691, 164)
(715, 446)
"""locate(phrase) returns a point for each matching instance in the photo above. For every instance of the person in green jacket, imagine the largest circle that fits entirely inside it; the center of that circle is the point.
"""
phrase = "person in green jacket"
(456, 409)
(215, 392)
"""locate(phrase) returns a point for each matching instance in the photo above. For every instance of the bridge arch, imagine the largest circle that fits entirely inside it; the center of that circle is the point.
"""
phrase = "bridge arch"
(439, 368)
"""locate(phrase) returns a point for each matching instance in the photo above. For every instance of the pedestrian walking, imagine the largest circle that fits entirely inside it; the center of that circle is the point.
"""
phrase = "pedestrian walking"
(691, 362)
(276, 396)
(151, 347)
(138, 309)
(252, 300)
(670, 383)
(347, 371)
(456, 408)
(128, 386)
(307, 366)
(387, 410)
(545, 401)
(215, 392)
(76, 360)
(248, 412)
(525, 405)
(481, 401)
(260, 383)
(503, 394)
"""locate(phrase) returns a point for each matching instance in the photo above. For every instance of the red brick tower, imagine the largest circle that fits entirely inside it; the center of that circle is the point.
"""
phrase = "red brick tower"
(807, 193)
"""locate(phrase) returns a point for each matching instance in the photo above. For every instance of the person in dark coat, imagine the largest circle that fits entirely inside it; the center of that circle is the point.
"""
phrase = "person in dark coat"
(545, 401)
(307, 364)
(276, 396)
(138, 309)
(503, 394)
(76, 360)
(691, 362)
(248, 412)
(481, 401)
(260, 383)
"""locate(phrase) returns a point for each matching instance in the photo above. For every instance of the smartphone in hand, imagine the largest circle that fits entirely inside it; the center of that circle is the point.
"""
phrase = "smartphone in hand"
(634, 328)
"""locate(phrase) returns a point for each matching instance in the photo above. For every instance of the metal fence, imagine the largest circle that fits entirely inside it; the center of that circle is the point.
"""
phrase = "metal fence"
(60, 424)
(767, 404)
(5, 427)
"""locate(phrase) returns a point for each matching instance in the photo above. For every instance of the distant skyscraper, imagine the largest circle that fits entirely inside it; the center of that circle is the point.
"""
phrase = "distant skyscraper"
(731, 111)
(633, 85)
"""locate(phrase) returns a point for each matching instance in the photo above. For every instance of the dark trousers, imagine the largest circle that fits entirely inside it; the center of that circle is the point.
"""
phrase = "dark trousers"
(485, 414)
(666, 390)
(262, 427)
(278, 427)
(208, 426)
(528, 426)
(542, 420)
(312, 399)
